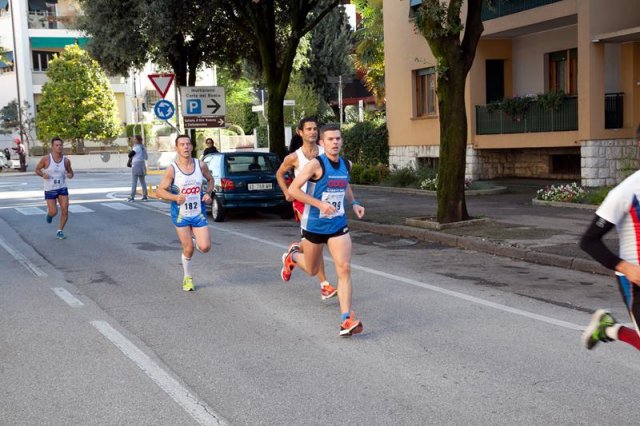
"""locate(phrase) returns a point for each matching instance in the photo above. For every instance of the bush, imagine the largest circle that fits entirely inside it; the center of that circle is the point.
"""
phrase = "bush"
(366, 143)
(597, 195)
(571, 193)
(134, 129)
(431, 184)
(408, 176)
(368, 175)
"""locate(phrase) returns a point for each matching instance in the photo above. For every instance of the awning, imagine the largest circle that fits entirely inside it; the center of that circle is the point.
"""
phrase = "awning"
(622, 36)
(9, 56)
(57, 42)
(37, 5)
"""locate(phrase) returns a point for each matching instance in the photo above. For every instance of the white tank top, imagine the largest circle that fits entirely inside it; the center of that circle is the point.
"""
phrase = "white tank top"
(190, 185)
(56, 173)
(303, 161)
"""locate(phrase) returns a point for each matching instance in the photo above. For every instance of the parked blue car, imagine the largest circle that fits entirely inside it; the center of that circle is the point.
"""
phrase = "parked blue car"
(246, 180)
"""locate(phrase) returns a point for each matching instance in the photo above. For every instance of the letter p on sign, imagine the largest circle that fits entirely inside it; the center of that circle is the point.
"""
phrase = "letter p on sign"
(194, 106)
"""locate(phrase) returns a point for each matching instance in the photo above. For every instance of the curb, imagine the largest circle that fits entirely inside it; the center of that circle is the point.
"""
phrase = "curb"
(537, 202)
(484, 246)
(489, 191)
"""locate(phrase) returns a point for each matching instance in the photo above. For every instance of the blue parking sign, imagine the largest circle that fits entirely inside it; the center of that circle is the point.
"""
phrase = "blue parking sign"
(194, 106)
(164, 109)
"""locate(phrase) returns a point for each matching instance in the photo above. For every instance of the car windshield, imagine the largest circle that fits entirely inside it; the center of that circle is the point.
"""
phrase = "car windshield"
(250, 163)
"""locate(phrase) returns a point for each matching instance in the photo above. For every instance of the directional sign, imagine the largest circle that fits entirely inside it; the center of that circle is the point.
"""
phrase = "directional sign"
(200, 101)
(164, 109)
(203, 122)
(161, 82)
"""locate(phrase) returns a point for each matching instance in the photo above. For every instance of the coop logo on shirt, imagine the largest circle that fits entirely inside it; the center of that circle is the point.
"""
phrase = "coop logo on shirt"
(337, 183)
(191, 190)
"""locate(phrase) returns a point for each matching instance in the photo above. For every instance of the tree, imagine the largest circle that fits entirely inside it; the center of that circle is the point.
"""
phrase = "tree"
(369, 47)
(77, 102)
(331, 45)
(272, 30)
(440, 24)
(10, 122)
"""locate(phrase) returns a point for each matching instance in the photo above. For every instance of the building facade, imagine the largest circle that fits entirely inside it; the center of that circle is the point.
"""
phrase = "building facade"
(587, 49)
(32, 34)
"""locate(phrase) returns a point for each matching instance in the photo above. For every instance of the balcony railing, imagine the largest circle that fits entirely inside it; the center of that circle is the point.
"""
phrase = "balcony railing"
(44, 20)
(537, 119)
(613, 110)
(508, 7)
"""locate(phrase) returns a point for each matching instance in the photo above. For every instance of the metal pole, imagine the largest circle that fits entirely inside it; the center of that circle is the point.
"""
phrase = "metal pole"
(340, 97)
(15, 69)
(265, 117)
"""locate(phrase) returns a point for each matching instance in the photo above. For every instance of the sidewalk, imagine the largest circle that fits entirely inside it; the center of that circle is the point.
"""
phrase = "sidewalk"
(512, 226)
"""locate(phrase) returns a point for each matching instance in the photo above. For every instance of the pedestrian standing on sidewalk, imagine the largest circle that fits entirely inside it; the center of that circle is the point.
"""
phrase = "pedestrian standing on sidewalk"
(308, 133)
(210, 148)
(324, 221)
(182, 185)
(138, 156)
(22, 155)
(620, 209)
(55, 168)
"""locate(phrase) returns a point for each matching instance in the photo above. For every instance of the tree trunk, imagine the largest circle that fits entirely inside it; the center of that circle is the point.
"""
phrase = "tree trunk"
(453, 146)
(275, 116)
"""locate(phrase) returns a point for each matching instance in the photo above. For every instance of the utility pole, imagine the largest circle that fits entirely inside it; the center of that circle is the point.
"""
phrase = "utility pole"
(15, 69)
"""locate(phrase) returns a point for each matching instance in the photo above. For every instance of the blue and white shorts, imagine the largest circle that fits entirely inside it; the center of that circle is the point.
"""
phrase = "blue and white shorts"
(55, 193)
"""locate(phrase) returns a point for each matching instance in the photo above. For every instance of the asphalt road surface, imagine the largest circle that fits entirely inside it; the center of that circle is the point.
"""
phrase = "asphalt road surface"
(96, 329)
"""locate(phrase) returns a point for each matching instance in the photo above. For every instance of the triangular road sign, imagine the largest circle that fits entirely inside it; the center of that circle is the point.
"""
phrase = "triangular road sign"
(161, 82)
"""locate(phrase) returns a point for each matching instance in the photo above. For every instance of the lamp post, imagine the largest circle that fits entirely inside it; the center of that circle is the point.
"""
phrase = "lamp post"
(15, 69)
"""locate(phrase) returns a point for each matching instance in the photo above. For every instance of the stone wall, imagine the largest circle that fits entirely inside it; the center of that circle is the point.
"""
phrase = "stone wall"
(491, 163)
(607, 162)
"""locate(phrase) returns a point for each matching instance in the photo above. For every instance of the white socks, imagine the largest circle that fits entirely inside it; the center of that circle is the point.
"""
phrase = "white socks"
(186, 261)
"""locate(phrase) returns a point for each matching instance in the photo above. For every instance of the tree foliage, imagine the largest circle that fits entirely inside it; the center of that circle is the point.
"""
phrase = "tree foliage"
(9, 121)
(272, 30)
(77, 102)
(369, 47)
(176, 34)
(331, 45)
(441, 25)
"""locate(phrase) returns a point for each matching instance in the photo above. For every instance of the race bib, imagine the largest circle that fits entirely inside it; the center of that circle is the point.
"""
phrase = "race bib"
(191, 206)
(336, 199)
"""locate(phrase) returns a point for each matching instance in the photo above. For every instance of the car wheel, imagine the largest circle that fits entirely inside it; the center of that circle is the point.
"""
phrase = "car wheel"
(217, 211)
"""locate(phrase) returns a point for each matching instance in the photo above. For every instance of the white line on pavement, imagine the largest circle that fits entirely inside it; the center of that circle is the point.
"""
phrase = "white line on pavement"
(22, 259)
(189, 402)
(67, 297)
(437, 289)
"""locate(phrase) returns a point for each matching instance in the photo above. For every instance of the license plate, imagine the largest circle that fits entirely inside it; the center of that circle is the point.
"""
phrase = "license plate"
(259, 186)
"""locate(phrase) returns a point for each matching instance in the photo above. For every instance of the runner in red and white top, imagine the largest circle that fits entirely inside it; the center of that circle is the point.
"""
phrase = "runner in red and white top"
(308, 131)
(620, 209)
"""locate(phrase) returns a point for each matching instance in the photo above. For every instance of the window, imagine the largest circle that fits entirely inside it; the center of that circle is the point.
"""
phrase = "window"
(425, 87)
(563, 71)
(41, 59)
(565, 164)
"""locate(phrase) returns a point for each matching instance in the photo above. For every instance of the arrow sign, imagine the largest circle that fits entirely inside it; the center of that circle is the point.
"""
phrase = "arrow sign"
(164, 109)
(161, 82)
(213, 108)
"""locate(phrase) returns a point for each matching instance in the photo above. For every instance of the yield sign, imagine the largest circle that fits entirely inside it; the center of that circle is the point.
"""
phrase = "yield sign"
(161, 82)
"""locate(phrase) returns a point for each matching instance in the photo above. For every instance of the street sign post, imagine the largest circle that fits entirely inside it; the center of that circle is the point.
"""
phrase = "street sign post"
(162, 82)
(203, 106)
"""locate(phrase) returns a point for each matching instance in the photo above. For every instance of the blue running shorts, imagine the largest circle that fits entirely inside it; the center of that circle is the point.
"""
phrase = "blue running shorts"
(55, 193)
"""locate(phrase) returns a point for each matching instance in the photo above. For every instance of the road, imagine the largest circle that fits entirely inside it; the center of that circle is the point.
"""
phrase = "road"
(95, 329)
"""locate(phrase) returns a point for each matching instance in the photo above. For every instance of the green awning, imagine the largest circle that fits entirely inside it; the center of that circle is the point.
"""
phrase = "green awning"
(57, 42)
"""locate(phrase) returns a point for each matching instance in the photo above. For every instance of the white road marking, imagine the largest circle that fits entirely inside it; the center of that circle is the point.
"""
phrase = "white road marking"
(29, 211)
(67, 297)
(118, 206)
(77, 208)
(22, 259)
(452, 293)
(196, 408)
(40, 193)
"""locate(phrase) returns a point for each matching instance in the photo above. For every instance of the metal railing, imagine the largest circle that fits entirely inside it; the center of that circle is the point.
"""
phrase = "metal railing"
(508, 7)
(613, 110)
(45, 20)
(537, 119)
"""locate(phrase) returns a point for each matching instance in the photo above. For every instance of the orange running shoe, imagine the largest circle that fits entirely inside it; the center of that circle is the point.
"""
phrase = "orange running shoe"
(350, 326)
(287, 261)
(327, 291)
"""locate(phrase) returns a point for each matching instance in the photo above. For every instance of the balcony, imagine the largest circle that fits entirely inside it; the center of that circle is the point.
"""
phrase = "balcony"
(537, 119)
(613, 110)
(40, 20)
(509, 7)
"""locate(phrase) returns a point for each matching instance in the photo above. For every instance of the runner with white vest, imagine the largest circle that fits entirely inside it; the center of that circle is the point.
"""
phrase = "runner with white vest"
(55, 168)
(182, 184)
(308, 131)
